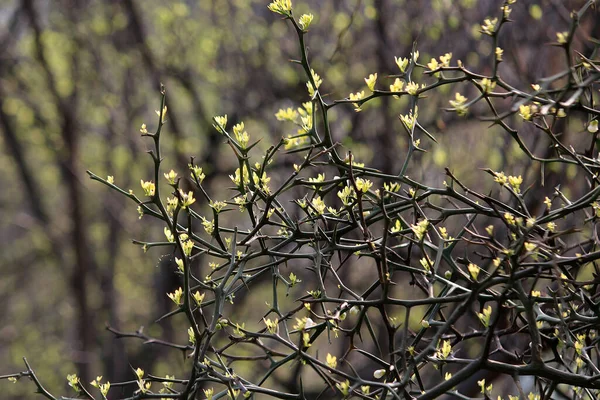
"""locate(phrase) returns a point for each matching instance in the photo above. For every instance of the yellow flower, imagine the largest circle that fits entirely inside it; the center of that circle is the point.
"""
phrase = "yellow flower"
(515, 182)
(343, 387)
(172, 203)
(220, 123)
(562, 37)
(331, 361)
(319, 205)
(425, 263)
(191, 335)
(530, 246)
(391, 187)
(489, 26)
(499, 53)
(580, 344)
(144, 129)
(187, 247)
(397, 227)
(402, 63)
(412, 88)
(209, 226)
(509, 218)
(196, 172)
(171, 176)
(73, 382)
(592, 127)
(176, 296)
(306, 109)
(318, 81)
(237, 179)
(304, 323)
(363, 185)
(433, 64)
(289, 114)
(209, 393)
(306, 123)
(218, 206)
(271, 325)
(346, 195)
(355, 97)
(459, 104)
(169, 235)
(241, 136)
(104, 388)
(370, 81)
(320, 178)
(485, 316)
(143, 385)
(240, 201)
(397, 86)
(473, 270)
(487, 85)
(110, 179)
(525, 112)
(187, 199)
(139, 373)
(164, 114)
(409, 120)
(198, 298)
(96, 382)
(261, 182)
(305, 21)
(179, 263)
(445, 59)
(420, 229)
(354, 162)
(443, 232)
(445, 351)
(294, 279)
(500, 178)
(551, 226)
(149, 188)
(283, 7)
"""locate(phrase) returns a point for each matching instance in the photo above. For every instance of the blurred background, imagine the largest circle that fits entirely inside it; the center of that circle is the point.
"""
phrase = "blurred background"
(79, 77)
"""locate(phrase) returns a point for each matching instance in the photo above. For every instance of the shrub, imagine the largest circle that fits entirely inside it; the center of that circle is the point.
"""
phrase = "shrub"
(503, 282)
